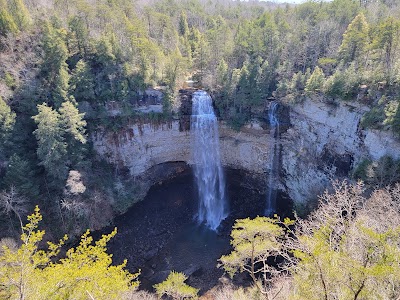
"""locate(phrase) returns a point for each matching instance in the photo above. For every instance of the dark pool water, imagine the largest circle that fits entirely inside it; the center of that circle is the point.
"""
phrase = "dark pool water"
(161, 234)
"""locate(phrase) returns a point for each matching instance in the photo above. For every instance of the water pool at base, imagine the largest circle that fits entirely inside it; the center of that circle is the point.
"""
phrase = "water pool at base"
(161, 233)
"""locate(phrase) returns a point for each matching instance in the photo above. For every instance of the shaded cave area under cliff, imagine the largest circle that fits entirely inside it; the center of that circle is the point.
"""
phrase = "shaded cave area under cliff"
(161, 233)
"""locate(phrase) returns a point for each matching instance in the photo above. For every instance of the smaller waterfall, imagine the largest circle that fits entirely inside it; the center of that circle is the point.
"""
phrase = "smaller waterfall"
(207, 164)
(274, 159)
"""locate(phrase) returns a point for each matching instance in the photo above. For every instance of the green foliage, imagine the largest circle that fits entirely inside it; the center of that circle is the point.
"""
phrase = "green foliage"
(79, 35)
(392, 113)
(9, 80)
(174, 286)
(222, 73)
(7, 121)
(385, 38)
(30, 272)
(316, 81)
(253, 242)
(343, 84)
(52, 149)
(380, 173)
(183, 25)
(373, 118)
(361, 170)
(82, 82)
(7, 23)
(355, 40)
(19, 13)
(54, 67)
(348, 255)
(19, 174)
(73, 122)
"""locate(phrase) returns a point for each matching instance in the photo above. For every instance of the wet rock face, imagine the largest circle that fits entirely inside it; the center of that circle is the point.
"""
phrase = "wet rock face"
(141, 147)
(185, 110)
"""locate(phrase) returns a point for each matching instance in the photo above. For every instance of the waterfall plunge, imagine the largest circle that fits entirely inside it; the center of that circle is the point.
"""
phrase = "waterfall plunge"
(207, 164)
(274, 161)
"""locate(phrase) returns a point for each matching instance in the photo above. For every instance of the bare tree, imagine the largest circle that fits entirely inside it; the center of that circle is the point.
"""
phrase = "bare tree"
(13, 203)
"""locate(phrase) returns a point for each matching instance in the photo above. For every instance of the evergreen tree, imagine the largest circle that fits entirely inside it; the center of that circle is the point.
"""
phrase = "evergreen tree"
(183, 25)
(20, 175)
(55, 68)
(316, 81)
(7, 121)
(52, 148)
(20, 13)
(74, 131)
(82, 82)
(355, 40)
(7, 23)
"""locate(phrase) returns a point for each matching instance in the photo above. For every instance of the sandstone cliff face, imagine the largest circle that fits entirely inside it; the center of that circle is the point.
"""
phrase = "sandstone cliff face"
(324, 143)
(141, 147)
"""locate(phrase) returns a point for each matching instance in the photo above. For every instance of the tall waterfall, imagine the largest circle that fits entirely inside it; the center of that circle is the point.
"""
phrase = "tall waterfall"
(207, 164)
(274, 159)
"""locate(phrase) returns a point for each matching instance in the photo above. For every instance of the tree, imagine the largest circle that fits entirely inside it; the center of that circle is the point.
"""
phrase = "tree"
(7, 121)
(86, 272)
(82, 82)
(386, 38)
(54, 67)
(316, 81)
(80, 35)
(20, 174)
(183, 25)
(222, 73)
(12, 202)
(7, 23)
(20, 13)
(72, 122)
(254, 241)
(355, 40)
(52, 148)
(174, 286)
(349, 247)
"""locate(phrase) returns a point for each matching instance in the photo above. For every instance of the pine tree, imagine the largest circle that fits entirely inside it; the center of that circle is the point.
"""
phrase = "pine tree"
(20, 14)
(355, 40)
(20, 175)
(7, 23)
(316, 81)
(54, 67)
(52, 148)
(7, 121)
(82, 82)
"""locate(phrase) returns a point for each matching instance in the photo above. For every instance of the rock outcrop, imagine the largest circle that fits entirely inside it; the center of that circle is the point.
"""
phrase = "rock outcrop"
(324, 143)
(140, 147)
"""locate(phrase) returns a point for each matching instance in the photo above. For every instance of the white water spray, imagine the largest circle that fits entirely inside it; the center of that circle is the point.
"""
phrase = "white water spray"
(207, 163)
(274, 159)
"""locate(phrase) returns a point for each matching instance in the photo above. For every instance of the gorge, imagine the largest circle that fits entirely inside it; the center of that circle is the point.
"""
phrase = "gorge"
(322, 143)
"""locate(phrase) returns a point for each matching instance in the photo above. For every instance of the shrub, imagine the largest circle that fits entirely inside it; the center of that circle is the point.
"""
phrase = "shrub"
(174, 286)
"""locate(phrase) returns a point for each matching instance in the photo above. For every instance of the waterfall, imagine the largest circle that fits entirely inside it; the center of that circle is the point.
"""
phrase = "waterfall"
(207, 164)
(274, 159)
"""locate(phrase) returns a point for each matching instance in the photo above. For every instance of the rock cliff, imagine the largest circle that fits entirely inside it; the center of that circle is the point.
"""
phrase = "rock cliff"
(323, 142)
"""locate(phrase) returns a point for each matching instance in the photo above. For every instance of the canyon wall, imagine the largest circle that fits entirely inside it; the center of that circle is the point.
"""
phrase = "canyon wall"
(143, 147)
(319, 142)
(324, 142)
